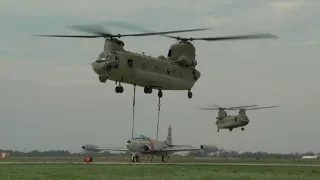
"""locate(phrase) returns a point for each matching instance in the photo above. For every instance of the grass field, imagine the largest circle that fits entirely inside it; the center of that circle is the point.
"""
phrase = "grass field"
(157, 159)
(154, 172)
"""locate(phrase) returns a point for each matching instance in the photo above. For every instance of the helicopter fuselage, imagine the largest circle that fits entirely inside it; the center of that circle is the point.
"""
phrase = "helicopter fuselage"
(231, 122)
(143, 71)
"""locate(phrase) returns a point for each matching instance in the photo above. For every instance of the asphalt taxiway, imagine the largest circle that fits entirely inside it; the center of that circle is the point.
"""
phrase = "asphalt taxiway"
(193, 164)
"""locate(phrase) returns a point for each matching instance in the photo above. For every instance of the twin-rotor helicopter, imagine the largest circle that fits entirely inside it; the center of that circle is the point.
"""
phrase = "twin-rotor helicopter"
(225, 121)
(177, 71)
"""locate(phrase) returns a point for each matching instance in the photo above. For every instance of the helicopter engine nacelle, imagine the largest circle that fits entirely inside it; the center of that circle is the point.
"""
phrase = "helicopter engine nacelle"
(184, 61)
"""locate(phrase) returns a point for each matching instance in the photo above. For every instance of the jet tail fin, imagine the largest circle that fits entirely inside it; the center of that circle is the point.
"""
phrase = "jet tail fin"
(169, 137)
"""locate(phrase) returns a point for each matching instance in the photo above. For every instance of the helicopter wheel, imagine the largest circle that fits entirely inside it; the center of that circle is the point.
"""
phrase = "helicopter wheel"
(242, 129)
(160, 94)
(189, 94)
(119, 89)
(147, 90)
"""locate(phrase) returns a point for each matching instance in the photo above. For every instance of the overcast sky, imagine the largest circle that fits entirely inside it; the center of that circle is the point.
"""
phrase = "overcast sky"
(51, 99)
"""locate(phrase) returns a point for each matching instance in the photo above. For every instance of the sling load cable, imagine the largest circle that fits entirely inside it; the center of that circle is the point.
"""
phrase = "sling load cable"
(134, 103)
(159, 105)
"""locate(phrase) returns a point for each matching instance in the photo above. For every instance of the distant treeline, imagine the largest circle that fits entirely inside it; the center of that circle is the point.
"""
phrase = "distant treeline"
(235, 154)
(230, 154)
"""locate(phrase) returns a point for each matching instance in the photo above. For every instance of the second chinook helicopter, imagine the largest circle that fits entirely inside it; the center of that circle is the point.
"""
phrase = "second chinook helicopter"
(175, 72)
(225, 121)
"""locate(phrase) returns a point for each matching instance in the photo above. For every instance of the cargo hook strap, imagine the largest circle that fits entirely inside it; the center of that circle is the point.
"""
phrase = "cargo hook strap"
(159, 105)
(134, 103)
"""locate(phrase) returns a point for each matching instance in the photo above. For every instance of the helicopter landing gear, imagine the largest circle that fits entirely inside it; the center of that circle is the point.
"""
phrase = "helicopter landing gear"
(189, 94)
(103, 79)
(147, 90)
(242, 129)
(160, 94)
(119, 88)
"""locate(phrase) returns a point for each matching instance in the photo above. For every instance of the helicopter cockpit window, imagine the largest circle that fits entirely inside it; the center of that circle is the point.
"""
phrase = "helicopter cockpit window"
(102, 57)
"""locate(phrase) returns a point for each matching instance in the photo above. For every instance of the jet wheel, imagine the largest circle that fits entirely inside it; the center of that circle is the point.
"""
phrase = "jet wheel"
(189, 94)
(160, 94)
(242, 129)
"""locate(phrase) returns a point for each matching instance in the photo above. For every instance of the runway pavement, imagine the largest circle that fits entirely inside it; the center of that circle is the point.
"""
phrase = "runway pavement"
(193, 164)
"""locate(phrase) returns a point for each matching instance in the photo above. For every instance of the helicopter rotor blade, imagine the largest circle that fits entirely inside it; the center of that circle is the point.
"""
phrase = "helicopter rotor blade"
(223, 38)
(238, 37)
(70, 36)
(240, 107)
(262, 107)
(134, 27)
(208, 108)
(99, 31)
(232, 108)
(96, 29)
(165, 32)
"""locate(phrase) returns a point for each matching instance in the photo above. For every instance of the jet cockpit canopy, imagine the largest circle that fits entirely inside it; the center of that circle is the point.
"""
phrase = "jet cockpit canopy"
(142, 137)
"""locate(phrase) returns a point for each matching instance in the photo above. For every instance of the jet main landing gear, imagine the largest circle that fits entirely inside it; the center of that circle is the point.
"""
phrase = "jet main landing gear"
(163, 159)
(135, 158)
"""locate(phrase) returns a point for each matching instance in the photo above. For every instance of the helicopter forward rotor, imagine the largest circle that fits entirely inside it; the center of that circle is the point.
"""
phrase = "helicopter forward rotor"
(99, 31)
(217, 107)
(184, 39)
(238, 107)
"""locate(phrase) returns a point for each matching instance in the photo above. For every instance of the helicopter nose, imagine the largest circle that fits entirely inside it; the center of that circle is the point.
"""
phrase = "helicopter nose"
(95, 67)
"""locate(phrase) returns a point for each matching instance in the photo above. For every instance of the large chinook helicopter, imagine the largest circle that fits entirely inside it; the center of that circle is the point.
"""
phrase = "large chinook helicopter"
(225, 121)
(175, 72)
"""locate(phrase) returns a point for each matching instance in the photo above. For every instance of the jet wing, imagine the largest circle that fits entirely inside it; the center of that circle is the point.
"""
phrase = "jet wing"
(112, 149)
(93, 148)
(180, 148)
